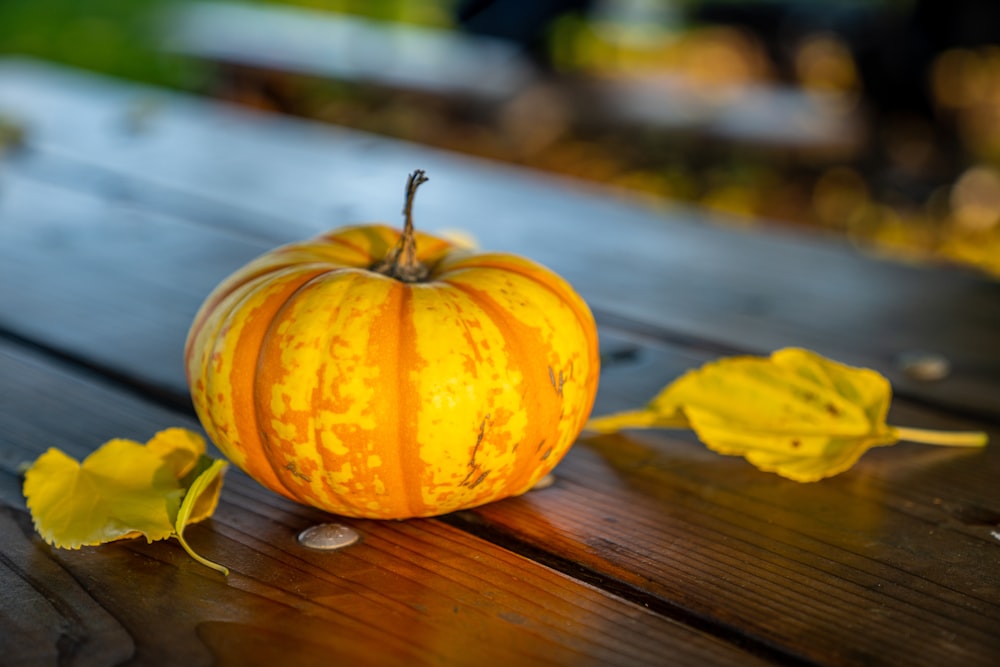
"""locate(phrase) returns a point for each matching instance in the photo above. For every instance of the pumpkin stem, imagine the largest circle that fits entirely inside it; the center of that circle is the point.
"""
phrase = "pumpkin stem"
(401, 263)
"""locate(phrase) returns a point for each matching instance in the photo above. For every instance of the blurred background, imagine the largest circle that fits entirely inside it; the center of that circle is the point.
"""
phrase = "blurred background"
(877, 121)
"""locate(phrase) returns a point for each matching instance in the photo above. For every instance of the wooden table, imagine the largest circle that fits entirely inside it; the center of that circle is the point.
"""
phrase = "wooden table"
(260, 49)
(126, 205)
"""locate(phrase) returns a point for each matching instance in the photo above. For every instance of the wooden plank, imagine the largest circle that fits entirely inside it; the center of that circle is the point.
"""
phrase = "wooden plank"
(756, 115)
(892, 559)
(62, 252)
(893, 562)
(617, 495)
(263, 41)
(348, 48)
(278, 180)
(416, 592)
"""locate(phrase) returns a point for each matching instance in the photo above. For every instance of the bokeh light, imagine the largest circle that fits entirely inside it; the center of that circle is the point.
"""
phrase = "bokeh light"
(888, 126)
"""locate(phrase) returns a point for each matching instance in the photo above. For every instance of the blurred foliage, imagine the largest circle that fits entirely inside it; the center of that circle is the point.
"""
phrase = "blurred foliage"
(435, 13)
(120, 37)
(921, 189)
(952, 216)
(12, 134)
(112, 36)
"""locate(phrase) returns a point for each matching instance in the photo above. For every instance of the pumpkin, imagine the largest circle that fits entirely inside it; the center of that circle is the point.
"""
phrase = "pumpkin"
(384, 374)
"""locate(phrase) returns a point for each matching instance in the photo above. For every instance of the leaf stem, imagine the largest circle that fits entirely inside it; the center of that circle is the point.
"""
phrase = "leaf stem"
(201, 559)
(943, 438)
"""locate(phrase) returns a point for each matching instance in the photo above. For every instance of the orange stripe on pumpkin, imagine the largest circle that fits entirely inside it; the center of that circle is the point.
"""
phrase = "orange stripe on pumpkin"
(386, 399)
(522, 347)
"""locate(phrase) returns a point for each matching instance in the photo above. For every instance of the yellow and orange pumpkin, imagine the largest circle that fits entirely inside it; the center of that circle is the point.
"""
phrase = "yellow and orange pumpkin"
(374, 373)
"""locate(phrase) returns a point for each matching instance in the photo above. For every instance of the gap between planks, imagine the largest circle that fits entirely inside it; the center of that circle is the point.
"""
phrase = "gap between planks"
(467, 521)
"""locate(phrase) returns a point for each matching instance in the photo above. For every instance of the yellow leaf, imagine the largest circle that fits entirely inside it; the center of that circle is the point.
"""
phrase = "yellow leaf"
(199, 503)
(648, 417)
(121, 490)
(661, 412)
(203, 484)
(980, 250)
(179, 448)
(795, 413)
(124, 489)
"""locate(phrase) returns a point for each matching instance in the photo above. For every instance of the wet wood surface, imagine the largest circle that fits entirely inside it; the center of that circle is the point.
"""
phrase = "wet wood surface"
(126, 205)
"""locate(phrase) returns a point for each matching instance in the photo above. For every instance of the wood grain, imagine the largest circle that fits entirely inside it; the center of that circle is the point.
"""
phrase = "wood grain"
(658, 542)
(892, 561)
(44, 613)
(274, 180)
(615, 517)
(416, 592)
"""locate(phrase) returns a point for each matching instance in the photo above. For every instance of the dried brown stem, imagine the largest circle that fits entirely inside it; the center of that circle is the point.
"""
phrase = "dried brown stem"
(401, 262)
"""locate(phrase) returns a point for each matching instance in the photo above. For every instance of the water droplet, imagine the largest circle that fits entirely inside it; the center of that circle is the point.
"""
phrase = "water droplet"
(924, 367)
(544, 482)
(328, 536)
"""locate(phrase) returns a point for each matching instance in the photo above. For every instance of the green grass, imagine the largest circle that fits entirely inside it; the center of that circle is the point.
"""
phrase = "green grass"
(120, 37)
(113, 36)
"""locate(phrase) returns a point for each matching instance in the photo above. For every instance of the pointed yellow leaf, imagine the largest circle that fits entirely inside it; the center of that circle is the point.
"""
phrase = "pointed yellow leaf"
(794, 413)
(646, 417)
(661, 412)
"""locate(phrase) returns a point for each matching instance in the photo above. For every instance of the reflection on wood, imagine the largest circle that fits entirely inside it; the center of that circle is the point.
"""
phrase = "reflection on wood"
(647, 549)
